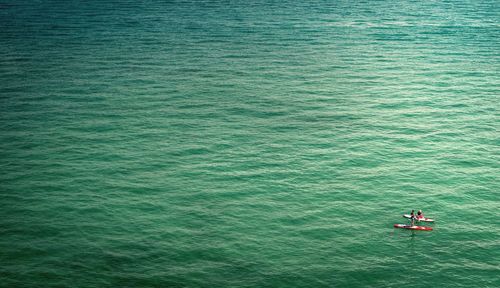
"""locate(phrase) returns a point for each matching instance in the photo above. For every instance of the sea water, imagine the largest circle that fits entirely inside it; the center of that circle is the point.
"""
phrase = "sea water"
(249, 143)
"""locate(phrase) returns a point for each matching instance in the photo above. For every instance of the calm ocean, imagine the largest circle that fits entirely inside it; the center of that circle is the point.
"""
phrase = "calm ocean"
(249, 143)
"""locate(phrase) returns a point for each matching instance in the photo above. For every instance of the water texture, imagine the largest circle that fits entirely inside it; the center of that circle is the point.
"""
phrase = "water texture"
(249, 143)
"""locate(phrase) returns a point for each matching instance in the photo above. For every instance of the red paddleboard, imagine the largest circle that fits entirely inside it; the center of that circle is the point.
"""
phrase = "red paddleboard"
(404, 226)
(419, 219)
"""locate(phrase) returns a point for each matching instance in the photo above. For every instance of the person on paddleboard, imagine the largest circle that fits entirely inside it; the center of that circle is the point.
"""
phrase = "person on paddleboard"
(412, 218)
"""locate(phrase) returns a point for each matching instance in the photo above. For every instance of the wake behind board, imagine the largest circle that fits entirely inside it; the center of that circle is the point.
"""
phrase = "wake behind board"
(404, 226)
(421, 219)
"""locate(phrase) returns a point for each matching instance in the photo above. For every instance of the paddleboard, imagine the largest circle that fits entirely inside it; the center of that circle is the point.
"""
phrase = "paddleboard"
(404, 226)
(421, 219)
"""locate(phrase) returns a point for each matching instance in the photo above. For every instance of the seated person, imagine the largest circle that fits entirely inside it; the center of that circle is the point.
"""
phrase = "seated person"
(420, 215)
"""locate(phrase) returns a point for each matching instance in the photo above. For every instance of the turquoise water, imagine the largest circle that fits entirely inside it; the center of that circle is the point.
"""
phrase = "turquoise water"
(249, 143)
